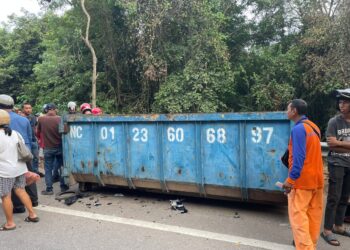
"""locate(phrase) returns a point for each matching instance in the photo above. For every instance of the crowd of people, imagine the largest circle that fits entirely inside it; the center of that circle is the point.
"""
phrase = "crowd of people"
(42, 137)
(304, 184)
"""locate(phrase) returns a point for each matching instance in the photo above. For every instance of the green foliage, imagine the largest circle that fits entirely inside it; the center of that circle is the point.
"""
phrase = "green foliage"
(62, 75)
(20, 50)
(181, 56)
(272, 96)
(324, 59)
(196, 90)
(206, 79)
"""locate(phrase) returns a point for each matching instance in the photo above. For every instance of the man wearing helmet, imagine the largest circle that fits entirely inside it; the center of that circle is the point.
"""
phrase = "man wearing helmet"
(72, 108)
(97, 111)
(338, 139)
(85, 109)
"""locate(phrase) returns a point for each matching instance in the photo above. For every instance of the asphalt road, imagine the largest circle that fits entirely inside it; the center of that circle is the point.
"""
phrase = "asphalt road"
(139, 220)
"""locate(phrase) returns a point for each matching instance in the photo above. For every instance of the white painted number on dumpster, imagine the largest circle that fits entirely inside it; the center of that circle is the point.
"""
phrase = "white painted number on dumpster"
(140, 134)
(218, 135)
(104, 133)
(175, 134)
(258, 133)
(75, 132)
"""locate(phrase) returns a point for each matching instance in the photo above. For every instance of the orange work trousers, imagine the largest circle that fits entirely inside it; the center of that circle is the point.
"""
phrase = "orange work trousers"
(305, 216)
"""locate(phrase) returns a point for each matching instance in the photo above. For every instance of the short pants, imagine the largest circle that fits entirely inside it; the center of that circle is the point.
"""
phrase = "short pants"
(7, 184)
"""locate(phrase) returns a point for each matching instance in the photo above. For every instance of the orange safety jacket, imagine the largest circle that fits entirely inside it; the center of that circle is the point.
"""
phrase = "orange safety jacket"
(305, 156)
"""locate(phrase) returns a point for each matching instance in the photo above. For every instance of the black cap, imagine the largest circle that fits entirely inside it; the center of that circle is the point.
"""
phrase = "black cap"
(50, 106)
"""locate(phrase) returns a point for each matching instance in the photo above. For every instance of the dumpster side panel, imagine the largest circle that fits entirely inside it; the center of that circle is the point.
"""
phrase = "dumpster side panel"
(81, 138)
(266, 142)
(180, 152)
(220, 154)
(111, 153)
(142, 150)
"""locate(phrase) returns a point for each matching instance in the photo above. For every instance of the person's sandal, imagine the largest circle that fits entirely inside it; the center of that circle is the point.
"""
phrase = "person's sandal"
(4, 228)
(330, 239)
(345, 233)
(28, 219)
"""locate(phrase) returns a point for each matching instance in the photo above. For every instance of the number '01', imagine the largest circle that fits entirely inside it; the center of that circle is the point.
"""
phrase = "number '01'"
(104, 133)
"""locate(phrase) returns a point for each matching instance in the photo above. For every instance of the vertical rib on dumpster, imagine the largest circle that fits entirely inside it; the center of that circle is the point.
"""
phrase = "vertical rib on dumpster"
(198, 160)
(128, 156)
(243, 159)
(160, 147)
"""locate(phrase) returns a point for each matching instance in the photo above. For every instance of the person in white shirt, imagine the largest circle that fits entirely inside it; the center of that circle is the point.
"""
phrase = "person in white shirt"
(12, 174)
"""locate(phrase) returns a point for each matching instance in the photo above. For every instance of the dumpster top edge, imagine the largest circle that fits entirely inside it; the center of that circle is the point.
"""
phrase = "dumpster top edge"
(178, 117)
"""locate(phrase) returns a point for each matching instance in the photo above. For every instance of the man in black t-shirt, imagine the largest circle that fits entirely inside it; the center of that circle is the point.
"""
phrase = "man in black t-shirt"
(338, 139)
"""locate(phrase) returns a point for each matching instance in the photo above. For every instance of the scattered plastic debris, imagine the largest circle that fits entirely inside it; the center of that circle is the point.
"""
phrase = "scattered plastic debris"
(70, 197)
(97, 203)
(71, 200)
(118, 195)
(109, 203)
(178, 205)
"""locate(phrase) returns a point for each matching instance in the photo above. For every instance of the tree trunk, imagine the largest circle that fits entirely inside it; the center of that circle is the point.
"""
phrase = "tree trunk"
(94, 58)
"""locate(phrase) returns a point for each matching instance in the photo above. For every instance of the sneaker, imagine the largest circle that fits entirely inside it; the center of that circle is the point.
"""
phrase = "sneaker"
(41, 175)
(45, 192)
(19, 210)
(35, 204)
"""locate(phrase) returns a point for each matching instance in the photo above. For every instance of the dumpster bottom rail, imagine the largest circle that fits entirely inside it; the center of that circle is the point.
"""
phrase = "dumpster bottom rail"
(189, 189)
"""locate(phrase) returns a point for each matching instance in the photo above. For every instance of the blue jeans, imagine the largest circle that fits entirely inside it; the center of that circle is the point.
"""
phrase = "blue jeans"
(56, 170)
(51, 155)
(35, 153)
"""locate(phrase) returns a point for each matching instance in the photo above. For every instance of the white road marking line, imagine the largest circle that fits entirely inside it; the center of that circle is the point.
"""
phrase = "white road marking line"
(168, 228)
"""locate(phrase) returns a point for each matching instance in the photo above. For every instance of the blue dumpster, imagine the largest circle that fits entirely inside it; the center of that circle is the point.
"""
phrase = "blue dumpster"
(219, 155)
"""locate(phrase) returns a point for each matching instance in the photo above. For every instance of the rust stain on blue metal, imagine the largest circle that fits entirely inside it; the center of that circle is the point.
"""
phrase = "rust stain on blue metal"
(151, 117)
(109, 165)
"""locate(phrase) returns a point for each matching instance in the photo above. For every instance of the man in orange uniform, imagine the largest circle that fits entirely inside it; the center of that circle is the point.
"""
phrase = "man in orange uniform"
(304, 184)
